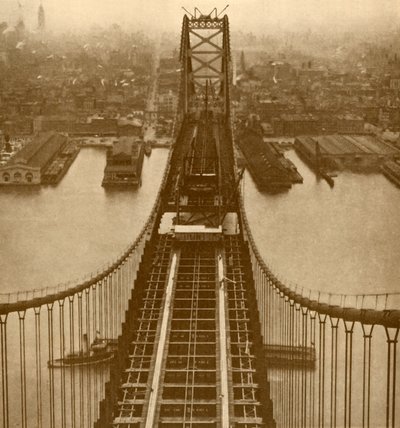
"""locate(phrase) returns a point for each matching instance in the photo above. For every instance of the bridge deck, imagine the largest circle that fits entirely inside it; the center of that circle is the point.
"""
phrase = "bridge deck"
(191, 363)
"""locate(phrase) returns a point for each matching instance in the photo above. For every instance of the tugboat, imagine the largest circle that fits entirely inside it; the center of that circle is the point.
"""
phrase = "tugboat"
(147, 148)
(101, 350)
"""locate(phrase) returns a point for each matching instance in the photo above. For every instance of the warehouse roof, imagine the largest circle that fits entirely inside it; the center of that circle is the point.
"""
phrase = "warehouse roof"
(339, 145)
(40, 150)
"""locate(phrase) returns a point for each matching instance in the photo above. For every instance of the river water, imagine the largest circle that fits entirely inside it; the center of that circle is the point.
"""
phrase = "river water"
(52, 235)
(345, 239)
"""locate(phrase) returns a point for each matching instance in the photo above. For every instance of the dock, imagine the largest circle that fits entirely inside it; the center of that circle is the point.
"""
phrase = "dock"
(124, 163)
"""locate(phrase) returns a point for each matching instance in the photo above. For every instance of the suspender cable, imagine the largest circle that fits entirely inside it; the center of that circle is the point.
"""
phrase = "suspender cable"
(51, 359)
(391, 337)
(273, 338)
(348, 367)
(127, 281)
(279, 328)
(94, 335)
(106, 306)
(265, 309)
(313, 315)
(111, 303)
(4, 370)
(62, 338)
(124, 294)
(291, 379)
(321, 373)
(115, 301)
(38, 363)
(101, 308)
(304, 312)
(334, 345)
(118, 301)
(282, 343)
(72, 350)
(121, 297)
(103, 329)
(95, 325)
(367, 335)
(22, 367)
(287, 366)
(269, 310)
(296, 372)
(89, 367)
(80, 372)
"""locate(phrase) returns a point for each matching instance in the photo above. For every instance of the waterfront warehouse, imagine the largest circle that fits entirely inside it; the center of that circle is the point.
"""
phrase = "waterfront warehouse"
(29, 164)
(124, 162)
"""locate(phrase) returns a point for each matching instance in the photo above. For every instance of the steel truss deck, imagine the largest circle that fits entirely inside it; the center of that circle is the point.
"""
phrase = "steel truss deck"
(190, 378)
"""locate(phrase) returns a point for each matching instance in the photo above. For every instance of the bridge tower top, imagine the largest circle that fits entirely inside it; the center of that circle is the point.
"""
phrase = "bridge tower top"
(205, 58)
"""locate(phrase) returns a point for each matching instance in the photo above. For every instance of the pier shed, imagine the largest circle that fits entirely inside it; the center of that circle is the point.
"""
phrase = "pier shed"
(29, 164)
(124, 162)
(353, 152)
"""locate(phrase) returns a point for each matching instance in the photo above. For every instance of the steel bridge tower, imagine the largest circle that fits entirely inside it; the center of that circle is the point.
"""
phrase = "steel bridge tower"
(194, 356)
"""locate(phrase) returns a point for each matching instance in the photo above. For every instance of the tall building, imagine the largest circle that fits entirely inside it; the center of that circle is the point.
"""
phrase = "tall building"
(242, 63)
(20, 26)
(41, 18)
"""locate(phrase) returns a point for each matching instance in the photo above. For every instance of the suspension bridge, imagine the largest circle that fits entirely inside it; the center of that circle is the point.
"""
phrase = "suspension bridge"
(189, 327)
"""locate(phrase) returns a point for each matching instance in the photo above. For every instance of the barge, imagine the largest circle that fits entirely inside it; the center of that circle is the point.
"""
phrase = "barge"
(271, 171)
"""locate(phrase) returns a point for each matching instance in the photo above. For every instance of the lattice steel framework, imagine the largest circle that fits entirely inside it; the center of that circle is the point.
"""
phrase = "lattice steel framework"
(205, 58)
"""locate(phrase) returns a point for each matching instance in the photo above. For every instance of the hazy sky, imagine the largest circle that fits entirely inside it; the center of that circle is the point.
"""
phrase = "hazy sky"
(249, 15)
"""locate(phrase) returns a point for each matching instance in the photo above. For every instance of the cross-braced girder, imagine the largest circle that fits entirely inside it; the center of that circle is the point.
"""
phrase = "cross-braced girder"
(205, 56)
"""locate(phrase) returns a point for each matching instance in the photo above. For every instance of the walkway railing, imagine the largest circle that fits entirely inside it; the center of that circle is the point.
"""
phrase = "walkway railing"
(331, 358)
(49, 337)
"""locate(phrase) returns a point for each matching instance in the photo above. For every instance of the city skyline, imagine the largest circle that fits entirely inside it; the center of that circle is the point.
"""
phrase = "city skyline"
(339, 15)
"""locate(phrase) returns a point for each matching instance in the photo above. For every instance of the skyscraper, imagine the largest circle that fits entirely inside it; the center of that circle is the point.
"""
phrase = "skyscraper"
(41, 18)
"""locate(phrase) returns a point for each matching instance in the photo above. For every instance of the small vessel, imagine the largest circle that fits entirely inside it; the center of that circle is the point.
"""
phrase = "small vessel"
(100, 351)
(147, 148)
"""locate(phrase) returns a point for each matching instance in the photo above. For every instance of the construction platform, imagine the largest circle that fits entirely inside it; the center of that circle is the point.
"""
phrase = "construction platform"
(192, 360)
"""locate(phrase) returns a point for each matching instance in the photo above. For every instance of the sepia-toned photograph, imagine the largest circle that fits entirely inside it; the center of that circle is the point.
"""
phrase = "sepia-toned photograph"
(199, 213)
